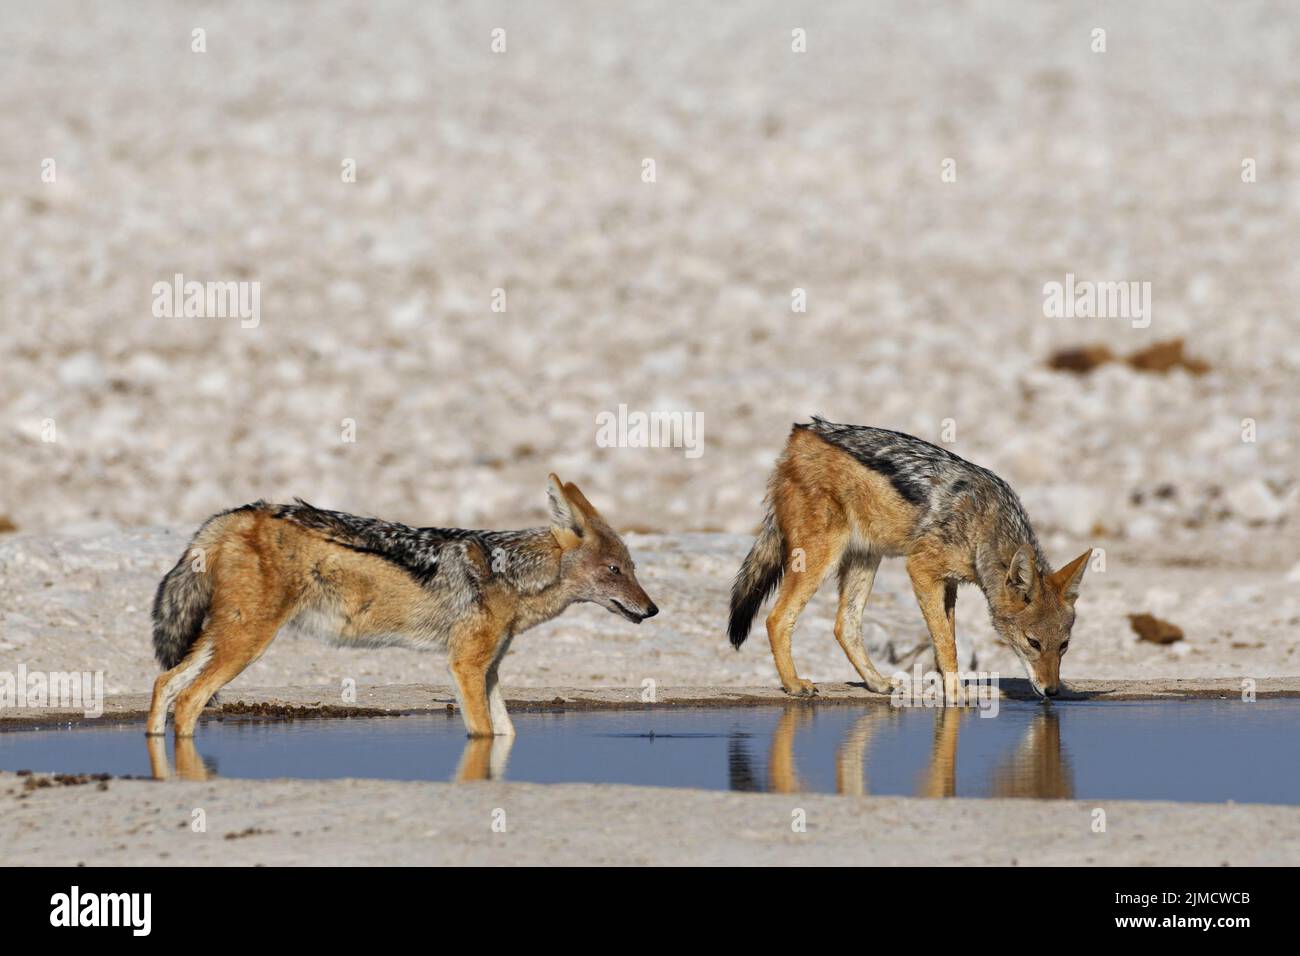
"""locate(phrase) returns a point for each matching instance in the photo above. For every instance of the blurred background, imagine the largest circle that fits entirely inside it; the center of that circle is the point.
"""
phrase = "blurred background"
(774, 170)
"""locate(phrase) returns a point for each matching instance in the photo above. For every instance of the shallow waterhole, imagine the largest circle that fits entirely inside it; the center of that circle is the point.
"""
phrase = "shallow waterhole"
(1188, 750)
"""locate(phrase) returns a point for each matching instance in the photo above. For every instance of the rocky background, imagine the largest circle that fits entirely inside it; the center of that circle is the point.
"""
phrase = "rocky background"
(774, 170)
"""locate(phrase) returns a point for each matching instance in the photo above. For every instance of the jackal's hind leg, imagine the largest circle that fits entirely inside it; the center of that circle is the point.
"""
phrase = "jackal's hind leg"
(166, 687)
(227, 647)
(857, 574)
(797, 588)
(502, 726)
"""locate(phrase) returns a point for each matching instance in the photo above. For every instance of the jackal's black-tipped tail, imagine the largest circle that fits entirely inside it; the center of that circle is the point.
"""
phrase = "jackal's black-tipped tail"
(179, 607)
(757, 578)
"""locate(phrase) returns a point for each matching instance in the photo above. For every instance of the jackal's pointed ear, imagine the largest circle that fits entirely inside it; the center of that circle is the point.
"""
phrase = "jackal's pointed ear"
(579, 500)
(1067, 579)
(1022, 573)
(567, 520)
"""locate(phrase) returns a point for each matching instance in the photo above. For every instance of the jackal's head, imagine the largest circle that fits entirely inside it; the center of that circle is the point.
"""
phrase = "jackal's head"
(595, 565)
(1034, 612)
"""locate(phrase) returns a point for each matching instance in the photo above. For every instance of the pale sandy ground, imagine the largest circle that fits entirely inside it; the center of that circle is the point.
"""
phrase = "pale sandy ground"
(336, 822)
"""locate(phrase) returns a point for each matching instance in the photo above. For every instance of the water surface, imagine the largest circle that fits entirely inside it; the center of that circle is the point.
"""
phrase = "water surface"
(1199, 750)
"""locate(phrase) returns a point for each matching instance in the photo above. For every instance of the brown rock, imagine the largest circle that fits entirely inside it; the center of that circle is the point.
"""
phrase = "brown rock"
(1158, 357)
(1080, 360)
(1163, 356)
(1151, 628)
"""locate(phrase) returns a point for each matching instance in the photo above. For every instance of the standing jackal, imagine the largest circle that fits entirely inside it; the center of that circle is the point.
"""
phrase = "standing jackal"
(844, 496)
(366, 582)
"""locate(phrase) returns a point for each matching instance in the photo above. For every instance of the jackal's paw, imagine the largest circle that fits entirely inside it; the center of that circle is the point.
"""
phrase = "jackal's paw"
(801, 688)
(882, 685)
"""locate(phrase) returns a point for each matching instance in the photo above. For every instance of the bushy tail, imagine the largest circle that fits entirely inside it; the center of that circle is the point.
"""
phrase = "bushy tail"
(757, 578)
(182, 602)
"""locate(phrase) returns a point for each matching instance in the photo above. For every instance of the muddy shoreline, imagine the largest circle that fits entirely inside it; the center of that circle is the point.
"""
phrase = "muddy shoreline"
(394, 700)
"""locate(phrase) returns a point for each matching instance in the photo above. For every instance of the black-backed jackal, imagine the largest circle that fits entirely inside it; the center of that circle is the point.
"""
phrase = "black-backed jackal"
(367, 582)
(845, 496)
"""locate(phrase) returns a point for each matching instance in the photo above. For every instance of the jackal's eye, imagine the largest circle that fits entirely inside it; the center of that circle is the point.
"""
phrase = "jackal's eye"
(1064, 646)
(615, 569)
(1035, 645)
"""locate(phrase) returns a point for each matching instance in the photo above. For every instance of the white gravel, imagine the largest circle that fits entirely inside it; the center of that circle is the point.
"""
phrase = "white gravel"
(81, 602)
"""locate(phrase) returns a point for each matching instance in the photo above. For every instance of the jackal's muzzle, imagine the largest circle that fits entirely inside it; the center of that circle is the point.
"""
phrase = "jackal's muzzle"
(635, 616)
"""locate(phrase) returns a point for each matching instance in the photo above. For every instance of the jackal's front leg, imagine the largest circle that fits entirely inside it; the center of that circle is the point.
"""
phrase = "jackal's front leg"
(938, 599)
(473, 652)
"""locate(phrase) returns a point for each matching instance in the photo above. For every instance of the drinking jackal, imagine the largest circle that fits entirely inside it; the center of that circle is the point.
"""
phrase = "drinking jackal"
(845, 496)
